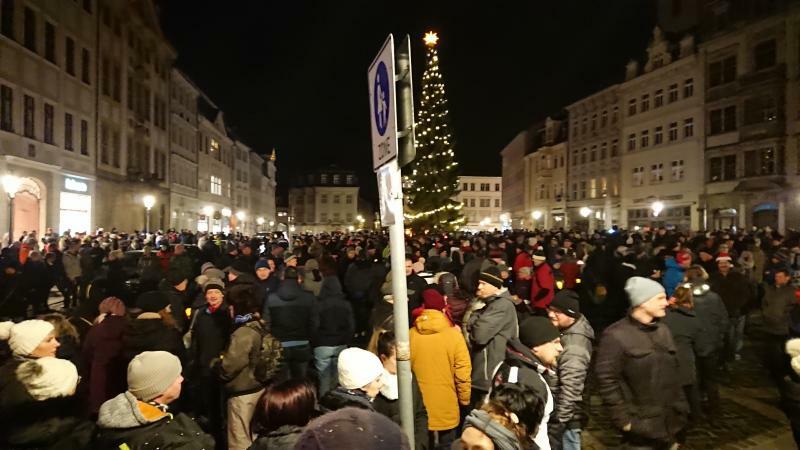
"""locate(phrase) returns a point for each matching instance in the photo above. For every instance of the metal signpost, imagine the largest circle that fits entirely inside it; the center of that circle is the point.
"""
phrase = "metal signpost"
(385, 134)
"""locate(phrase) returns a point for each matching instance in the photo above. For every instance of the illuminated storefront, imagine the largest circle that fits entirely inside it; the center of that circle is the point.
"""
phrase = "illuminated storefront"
(75, 213)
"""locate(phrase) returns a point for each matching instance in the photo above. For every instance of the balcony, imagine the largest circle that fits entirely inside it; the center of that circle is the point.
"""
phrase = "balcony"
(762, 130)
(775, 74)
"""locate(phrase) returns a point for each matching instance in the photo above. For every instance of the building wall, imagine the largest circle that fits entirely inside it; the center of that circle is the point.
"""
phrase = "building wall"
(513, 200)
(482, 200)
(324, 200)
(546, 175)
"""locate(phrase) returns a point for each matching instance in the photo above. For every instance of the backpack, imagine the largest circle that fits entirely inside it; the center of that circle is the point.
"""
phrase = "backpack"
(266, 360)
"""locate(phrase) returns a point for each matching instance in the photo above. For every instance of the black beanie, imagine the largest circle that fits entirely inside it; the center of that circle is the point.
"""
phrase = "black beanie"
(492, 276)
(152, 301)
(537, 330)
(239, 267)
(567, 301)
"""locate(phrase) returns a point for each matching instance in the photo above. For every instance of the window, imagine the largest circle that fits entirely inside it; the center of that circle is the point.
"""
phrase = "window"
(645, 103)
(673, 131)
(337, 178)
(68, 132)
(70, 56)
(722, 168)
(615, 114)
(614, 148)
(472, 186)
(688, 88)
(6, 107)
(604, 118)
(575, 157)
(323, 198)
(644, 140)
(760, 109)
(638, 176)
(323, 217)
(85, 66)
(759, 162)
(348, 200)
(673, 93)
(583, 155)
(659, 98)
(677, 170)
(721, 72)
(688, 127)
(115, 148)
(631, 142)
(497, 203)
(593, 154)
(337, 199)
(87, 6)
(30, 30)
(485, 203)
(48, 123)
(657, 173)
(723, 120)
(764, 54)
(50, 42)
(336, 216)
(484, 187)
(216, 185)
(472, 202)
(497, 187)
(105, 77)
(349, 217)
(213, 145)
(603, 150)
(29, 119)
(464, 186)
(583, 190)
(7, 16)
(84, 137)
(574, 191)
(658, 136)
(104, 144)
(594, 122)
(583, 125)
(631, 106)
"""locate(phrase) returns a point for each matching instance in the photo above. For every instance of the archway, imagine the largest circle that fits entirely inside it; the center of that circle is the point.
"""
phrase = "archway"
(27, 208)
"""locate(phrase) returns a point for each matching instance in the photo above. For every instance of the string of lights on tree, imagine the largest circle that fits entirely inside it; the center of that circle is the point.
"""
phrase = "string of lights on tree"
(431, 180)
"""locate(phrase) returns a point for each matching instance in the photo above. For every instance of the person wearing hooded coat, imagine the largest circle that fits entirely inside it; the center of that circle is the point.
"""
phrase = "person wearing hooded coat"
(103, 364)
(336, 326)
(27, 340)
(153, 329)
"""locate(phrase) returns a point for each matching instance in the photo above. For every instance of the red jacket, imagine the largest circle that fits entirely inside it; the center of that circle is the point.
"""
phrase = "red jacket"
(522, 260)
(542, 286)
(570, 271)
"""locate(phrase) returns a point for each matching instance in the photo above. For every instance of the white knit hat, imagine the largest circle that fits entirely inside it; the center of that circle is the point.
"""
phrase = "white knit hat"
(24, 337)
(358, 368)
(151, 373)
(48, 377)
(793, 350)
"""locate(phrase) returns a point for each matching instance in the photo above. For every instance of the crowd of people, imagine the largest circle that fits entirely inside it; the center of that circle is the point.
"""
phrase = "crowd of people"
(181, 340)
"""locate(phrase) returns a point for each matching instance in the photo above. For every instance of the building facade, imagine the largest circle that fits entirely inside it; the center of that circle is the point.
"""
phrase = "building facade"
(513, 179)
(482, 198)
(546, 174)
(324, 200)
(663, 137)
(594, 161)
(183, 152)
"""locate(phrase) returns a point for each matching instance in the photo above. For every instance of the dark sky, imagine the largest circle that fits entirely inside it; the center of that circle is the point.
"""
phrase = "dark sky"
(292, 74)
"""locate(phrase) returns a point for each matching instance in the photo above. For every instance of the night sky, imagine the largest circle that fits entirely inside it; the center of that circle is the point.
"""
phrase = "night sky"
(292, 75)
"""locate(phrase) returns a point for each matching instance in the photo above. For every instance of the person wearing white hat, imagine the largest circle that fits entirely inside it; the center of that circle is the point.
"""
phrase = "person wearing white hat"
(360, 381)
(30, 339)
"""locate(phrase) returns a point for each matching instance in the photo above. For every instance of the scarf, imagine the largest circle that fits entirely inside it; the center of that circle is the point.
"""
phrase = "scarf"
(390, 390)
(502, 437)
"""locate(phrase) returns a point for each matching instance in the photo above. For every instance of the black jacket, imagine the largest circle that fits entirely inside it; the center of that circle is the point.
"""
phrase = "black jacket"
(177, 303)
(391, 409)
(638, 378)
(340, 397)
(335, 315)
(290, 313)
(284, 438)
(48, 424)
(209, 337)
(686, 331)
(151, 334)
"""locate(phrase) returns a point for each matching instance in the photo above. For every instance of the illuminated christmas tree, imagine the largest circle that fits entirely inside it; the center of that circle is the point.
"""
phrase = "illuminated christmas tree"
(431, 180)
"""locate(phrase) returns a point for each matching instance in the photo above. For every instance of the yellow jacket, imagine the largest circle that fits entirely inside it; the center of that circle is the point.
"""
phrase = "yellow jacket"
(440, 361)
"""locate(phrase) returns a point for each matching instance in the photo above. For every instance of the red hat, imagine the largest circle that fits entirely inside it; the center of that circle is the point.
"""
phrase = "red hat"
(683, 258)
(432, 299)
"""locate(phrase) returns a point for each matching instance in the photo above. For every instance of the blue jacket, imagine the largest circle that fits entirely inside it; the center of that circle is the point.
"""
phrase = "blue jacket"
(673, 276)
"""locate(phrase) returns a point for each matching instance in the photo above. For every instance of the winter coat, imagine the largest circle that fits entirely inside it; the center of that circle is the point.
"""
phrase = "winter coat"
(441, 362)
(72, 266)
(572, 371)
(570, 272)
(391, 409)
(360, 278)
(489, 329)
(340, 397)
(713, 319)
(290, 313)
(148, 333)
(124, 420)
(268, 286)
(637, 372)
(182, 264)
(543, 286)
(417, 284)
(12, 391)
(334, 315)
(673, 276)
(284, 438)
(471, 272)
(49, 424)
(686, 331)
(210, 336)
(734, 289)
(522, 367)
(105, 368)
(776, 308)
(234, 365)
(177, 303)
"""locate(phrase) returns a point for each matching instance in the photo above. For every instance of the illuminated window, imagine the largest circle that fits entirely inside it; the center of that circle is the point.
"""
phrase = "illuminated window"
(216, 185)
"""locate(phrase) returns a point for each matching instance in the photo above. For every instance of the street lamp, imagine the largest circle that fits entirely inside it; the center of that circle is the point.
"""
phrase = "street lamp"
(226, 212)
(657, 207)
(148, 201)
(260, 222)
(585, 211)
(11, 184)
(351, 228)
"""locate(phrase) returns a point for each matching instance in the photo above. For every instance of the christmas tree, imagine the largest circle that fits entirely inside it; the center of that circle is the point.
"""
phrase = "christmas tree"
(431, 180)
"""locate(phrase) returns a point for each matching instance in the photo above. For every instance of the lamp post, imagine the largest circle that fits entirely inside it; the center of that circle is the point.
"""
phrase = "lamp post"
(240, 216)
(148, 201)
(11, 185)
(536, 215)
(208, 211)
(271, 226)
(585, 212)
(361, 221)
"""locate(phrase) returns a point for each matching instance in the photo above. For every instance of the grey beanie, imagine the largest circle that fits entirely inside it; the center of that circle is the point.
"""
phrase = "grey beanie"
(151, 373)
(640, 290)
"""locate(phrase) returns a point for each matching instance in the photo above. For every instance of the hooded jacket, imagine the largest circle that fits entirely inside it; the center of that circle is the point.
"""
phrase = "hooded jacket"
(334, 315)
(573, 368)
(637, 375)
(290, 312)
(124, 420)
(440, 360)
(234, 365)
(673, 276)
(686, 330)
(543, 286)
(734, 289)
(522, 367)
(489, 329)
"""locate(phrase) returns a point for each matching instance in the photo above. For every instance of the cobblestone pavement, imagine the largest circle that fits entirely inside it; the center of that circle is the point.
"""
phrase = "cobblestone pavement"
(750, 418)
